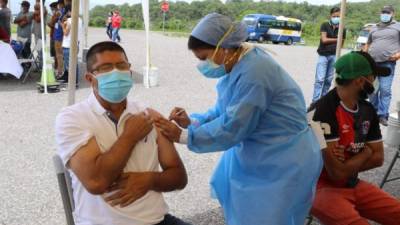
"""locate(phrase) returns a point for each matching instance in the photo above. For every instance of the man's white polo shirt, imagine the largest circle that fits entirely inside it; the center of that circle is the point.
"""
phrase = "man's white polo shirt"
(75, 125)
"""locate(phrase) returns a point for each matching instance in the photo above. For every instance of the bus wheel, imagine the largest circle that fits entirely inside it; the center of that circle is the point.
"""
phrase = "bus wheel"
(275, 42)
(289, 42)
(261, 39)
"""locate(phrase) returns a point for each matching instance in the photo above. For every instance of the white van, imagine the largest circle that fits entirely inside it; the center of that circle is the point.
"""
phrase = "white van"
(363, 36)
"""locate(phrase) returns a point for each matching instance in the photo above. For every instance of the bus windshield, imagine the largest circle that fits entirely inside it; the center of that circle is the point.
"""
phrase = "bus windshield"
(250, 21)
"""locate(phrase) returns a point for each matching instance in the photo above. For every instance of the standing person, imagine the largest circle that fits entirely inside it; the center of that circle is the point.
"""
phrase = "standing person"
(51, 24)
(58, 38)
(36, 23)
(116, 26)
(384, 46)
(5, 19)
(24, 29)
(271, 160)
(354, 144)
(66, 44)
(327, 54)
(109, 30)
(37, 26)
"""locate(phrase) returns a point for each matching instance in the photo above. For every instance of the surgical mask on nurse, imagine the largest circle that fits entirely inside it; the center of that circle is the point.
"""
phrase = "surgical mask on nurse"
(210, 69)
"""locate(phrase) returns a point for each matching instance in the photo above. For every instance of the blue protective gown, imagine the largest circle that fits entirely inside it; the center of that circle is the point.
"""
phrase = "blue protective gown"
(272, 160)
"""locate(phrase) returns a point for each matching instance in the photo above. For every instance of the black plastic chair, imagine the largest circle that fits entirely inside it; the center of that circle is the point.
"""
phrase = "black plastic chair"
(64, 184)
(389, 170)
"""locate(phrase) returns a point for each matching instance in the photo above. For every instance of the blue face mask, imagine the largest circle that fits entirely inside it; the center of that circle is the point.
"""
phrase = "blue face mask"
(386, 18)
(335, 20)
(114, 86)
(211, 70)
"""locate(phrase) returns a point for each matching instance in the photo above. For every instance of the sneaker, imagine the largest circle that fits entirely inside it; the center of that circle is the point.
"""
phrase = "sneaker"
(383, 121)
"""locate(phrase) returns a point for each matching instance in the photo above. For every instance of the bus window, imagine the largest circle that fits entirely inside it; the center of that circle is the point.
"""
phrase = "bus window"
(263, 24)
(293, 26)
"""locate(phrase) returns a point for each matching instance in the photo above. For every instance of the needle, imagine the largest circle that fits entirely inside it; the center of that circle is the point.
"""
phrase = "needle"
(179, 113)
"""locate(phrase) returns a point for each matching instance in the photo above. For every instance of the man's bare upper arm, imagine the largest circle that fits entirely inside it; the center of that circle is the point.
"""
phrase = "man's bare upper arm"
(167, 154)
(83, 163)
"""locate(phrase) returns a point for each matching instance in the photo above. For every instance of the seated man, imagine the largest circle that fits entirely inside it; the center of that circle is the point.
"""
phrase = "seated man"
(113, 152)
(354, 144)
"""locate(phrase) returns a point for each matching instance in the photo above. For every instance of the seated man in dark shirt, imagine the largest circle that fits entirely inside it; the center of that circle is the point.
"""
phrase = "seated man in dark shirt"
(354, 144)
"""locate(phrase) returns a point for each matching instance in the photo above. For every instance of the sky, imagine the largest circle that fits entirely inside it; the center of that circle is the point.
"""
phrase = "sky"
(15, 4)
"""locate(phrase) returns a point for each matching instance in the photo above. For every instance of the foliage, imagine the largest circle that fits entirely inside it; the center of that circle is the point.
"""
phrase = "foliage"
(183, 16)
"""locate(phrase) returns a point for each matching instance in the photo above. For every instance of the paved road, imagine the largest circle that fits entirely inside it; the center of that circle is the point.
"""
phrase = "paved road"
(28, 186)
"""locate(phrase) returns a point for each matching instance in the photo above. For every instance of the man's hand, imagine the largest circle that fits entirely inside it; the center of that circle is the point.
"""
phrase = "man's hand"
(169, 129)
(137, 127)
(338, 151)
(23, 22)
(180, 116)
(130, 187)
(395, 57)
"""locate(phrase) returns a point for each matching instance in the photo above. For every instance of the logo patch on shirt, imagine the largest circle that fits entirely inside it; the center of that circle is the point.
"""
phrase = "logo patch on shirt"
(345, 128)
(365, 127)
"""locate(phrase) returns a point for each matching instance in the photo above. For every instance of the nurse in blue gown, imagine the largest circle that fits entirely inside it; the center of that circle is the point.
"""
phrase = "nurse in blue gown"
(271, 159)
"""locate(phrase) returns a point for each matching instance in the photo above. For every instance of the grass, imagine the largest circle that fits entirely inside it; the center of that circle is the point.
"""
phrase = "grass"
(13, 28)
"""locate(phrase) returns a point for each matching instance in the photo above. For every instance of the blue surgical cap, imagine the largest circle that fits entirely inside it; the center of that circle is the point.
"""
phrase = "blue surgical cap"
(213, 27)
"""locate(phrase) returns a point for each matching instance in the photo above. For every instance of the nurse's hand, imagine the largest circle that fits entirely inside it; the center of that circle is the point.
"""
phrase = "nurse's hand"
(168, 129)
(180, 116)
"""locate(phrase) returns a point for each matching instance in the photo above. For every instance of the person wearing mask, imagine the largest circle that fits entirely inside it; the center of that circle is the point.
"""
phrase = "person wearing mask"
(119, 163)
(354, 144)
(271, 158)
(5, 20)
(384, 46)
(24, 29)
(327, 54)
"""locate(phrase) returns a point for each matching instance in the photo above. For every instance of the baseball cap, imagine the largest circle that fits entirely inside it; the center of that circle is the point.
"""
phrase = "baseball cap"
(25, 3)
(387, 9)
(358, 64)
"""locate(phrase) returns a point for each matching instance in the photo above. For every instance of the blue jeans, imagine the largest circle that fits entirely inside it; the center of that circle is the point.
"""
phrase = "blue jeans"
(323, 76)
(115, 35)
(381, 99)
(66, 65)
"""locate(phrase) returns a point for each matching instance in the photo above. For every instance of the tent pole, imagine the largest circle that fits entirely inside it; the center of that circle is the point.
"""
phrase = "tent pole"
(44, 58)
(341, 29)
(73, 60)
(146, 18)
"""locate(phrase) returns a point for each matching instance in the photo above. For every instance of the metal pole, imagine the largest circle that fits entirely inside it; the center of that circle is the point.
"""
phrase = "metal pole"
(73, 54)
(146, 18)
(341, 29)
(163, 21)
(44, 59)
